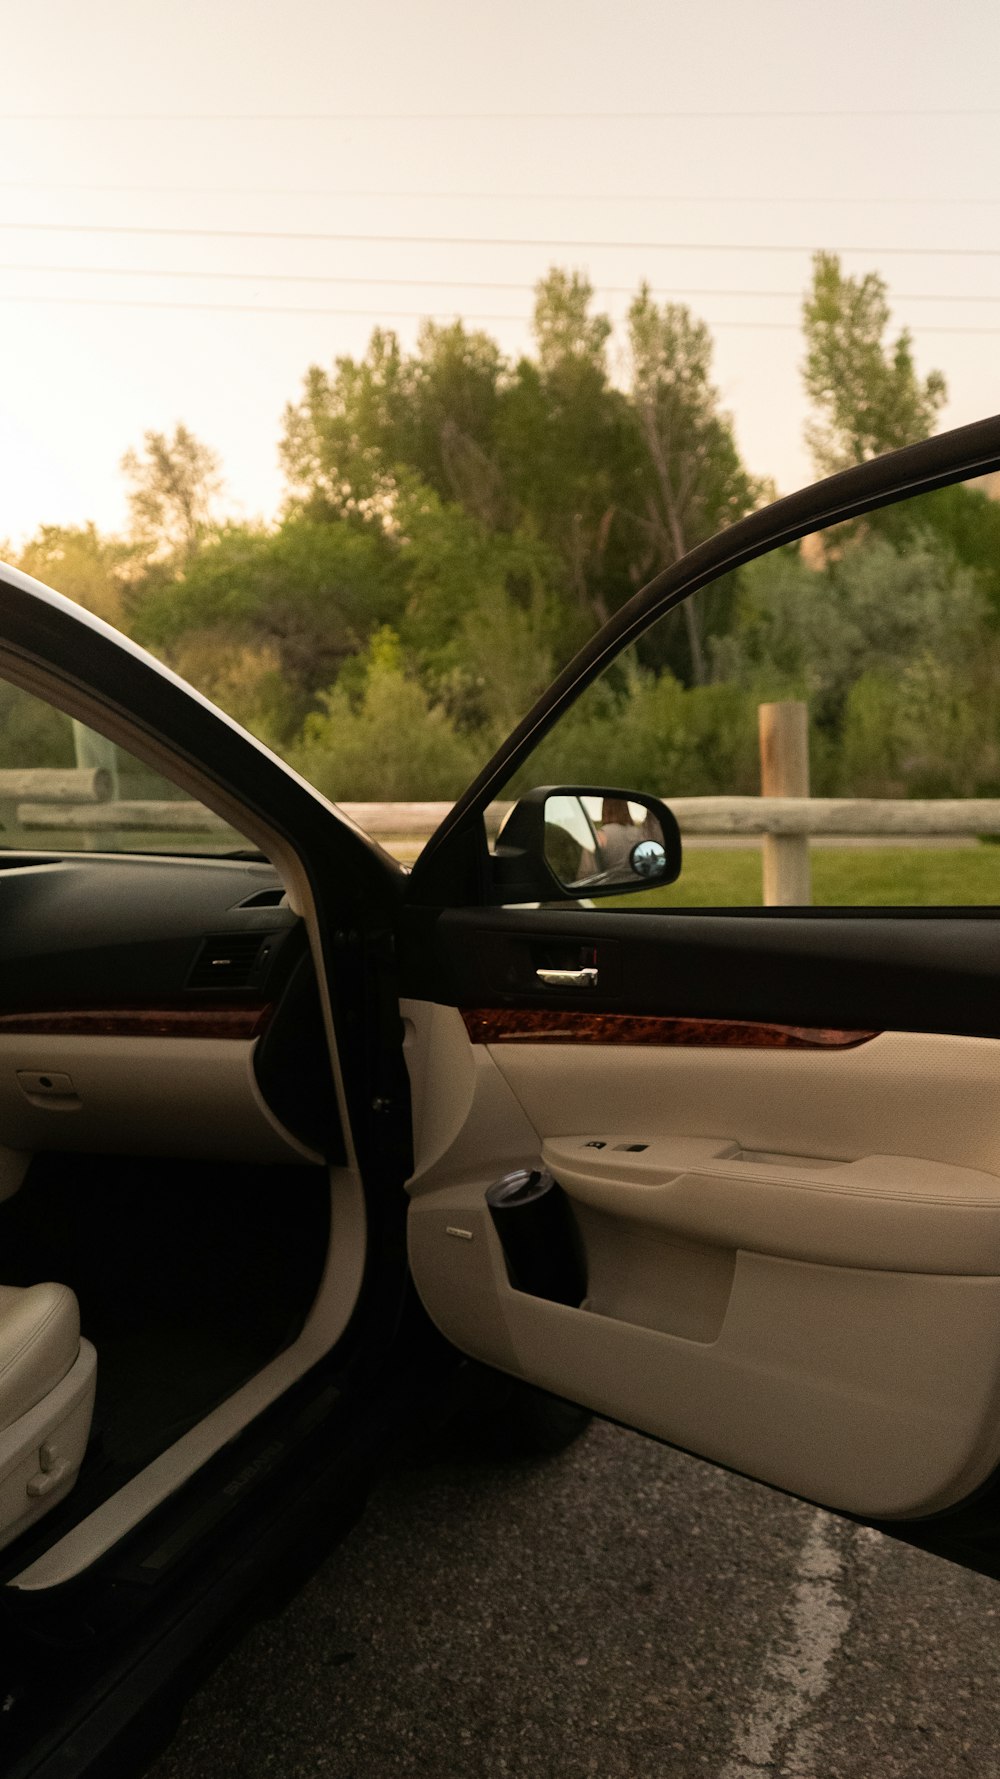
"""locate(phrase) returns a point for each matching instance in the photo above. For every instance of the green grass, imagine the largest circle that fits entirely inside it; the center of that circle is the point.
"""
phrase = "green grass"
(876, 877)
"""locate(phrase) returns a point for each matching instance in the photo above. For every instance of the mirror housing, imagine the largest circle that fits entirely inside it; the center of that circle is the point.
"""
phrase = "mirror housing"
(570, 842)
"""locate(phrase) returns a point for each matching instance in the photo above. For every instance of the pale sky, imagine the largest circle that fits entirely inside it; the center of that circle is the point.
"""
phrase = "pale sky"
(681, 142)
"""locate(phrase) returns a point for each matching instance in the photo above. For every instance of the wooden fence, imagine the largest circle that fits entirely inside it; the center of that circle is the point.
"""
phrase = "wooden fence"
(785, 817)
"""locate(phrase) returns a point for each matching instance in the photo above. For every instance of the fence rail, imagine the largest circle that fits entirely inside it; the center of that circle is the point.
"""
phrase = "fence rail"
(86, 801)
(861, 817)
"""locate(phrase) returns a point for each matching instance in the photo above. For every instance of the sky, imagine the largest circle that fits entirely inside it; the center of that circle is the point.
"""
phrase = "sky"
(175, 179)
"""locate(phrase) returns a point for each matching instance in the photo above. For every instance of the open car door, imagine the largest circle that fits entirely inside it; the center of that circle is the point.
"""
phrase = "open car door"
(756, 1210)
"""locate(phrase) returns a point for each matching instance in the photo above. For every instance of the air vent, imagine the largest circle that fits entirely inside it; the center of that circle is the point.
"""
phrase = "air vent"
(230, 960)
(265, 898)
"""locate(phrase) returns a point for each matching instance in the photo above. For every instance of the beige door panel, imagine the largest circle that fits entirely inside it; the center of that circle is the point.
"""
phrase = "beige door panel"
(797, 1276)
(907, 1093)
(893, 1211)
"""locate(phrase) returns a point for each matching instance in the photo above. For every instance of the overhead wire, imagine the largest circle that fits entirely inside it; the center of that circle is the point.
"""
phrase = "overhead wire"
(679, 114)
(397, 240)
(482, 197)
(386, 314)
(168, 272)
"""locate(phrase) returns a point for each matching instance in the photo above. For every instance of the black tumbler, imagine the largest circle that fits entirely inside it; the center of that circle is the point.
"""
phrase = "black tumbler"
(539, 1239)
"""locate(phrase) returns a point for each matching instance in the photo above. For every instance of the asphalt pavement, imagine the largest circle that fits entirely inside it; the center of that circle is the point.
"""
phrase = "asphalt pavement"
(620, 1610)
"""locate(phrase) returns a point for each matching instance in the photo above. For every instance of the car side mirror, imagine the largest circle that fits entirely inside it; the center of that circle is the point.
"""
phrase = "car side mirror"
(572, 841)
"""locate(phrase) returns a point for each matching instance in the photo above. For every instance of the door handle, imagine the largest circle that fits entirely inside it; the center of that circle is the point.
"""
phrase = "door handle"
(584, 977)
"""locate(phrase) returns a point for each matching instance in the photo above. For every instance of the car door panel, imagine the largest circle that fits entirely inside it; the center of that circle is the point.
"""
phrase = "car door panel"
(828, 1325)
(798, 1273)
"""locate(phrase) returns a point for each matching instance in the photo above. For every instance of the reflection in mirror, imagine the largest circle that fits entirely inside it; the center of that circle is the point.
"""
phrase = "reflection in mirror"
(593, 842)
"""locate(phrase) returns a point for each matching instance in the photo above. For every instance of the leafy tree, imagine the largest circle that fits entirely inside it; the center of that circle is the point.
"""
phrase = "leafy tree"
(567, 452)
(962, 520)
(456, 385)
(865, 389)
(812, 634)
(95, 570)
(925, 730)
(387, 741)
(480, 618)
(174, 484)
(534, 450)
(32, 731)
(302, 600)
(337, 441)
(693, 479)
(654, 734)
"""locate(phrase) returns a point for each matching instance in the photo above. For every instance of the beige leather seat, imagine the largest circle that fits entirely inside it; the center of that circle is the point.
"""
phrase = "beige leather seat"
(47, 1380)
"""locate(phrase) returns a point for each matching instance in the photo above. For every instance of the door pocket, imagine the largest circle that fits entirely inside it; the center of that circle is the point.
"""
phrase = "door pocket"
(636, 1274)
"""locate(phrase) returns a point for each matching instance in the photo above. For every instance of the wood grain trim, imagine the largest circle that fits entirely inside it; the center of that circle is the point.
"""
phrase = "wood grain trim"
(541, 1025)
(139, 1022)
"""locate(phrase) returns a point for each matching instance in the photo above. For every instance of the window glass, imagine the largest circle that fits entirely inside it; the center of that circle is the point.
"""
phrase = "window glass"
(879, 642)
(65, 788)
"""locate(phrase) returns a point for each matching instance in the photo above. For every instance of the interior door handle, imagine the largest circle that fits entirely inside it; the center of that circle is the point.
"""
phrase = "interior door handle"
(585, 977)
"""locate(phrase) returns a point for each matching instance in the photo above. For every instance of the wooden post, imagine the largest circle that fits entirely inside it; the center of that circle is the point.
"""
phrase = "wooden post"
(92, 749)
(784, 772)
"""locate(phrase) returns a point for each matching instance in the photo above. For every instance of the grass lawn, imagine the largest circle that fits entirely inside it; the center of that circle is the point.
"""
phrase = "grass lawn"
(880, 877)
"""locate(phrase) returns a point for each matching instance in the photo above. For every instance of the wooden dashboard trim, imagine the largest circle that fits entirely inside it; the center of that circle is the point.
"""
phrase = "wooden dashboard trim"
(139, 1022)
(543, 1025)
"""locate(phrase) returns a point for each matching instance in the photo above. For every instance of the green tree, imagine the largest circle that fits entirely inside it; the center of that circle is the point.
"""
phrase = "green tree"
(296, 602)
(385, 739)
(94, 569)
(693, 480)
(173, 487)
(337, 442)
(567, 453)
(865, 391)
(813, 634)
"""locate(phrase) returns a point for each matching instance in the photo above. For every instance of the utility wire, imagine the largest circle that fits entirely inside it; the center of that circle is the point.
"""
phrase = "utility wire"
(385, 314)
(449, 117)
(482, 197)
(911, 296)
(87, 228)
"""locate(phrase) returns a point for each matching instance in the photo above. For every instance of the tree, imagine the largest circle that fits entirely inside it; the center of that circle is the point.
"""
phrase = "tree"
(565, 447)
(867, 395)
(385, 738)
(803, 633)
(305, 598)
(174, 485)
(533, 450)
(693, 480)
(95, 570)
(337, 445)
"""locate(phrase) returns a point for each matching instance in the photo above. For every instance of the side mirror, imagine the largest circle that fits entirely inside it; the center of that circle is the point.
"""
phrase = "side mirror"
(581, 841)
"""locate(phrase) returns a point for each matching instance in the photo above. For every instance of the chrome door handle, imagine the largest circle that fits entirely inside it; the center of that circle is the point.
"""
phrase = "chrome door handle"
(586, 977)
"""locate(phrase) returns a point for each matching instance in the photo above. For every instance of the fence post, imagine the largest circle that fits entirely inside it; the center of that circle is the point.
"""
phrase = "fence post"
(92, 749)
(784, 772)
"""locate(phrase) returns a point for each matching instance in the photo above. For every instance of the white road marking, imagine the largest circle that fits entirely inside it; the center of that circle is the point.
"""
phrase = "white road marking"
(796, 1668)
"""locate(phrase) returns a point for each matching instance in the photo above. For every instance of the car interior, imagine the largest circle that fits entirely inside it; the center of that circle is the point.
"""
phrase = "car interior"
(170, 1148)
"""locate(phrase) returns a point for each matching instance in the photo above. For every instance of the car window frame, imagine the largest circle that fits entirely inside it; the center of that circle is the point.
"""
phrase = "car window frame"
(454, 868)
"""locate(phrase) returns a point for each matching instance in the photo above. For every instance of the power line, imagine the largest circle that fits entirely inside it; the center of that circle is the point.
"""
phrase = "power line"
(912, 296)
(386, 314)
(88, 228)
(482, 197)
(448, 117)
